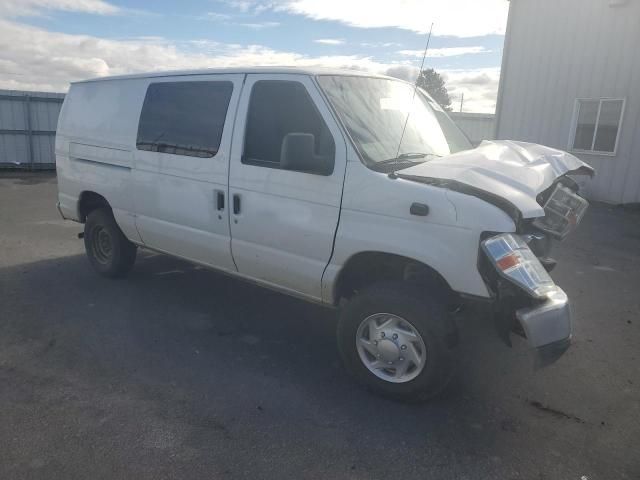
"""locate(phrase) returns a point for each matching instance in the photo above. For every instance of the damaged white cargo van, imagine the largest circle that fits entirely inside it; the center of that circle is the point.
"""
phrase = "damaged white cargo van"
(343, 188)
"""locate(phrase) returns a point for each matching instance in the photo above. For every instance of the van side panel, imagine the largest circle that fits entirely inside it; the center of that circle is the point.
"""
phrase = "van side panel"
(103, 113)
(94, 147)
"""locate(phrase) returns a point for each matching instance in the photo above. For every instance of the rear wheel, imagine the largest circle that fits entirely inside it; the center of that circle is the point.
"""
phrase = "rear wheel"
(108, 250)
(398, 341)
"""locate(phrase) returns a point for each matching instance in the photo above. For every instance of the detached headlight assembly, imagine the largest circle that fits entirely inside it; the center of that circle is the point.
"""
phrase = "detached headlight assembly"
(563, 211)
(515, 261)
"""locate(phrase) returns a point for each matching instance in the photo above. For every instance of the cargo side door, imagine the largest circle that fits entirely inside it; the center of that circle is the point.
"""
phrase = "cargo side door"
(181, 167)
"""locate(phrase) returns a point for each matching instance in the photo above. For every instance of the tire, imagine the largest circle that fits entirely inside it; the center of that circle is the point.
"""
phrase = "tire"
(108, 250)
(428, 318)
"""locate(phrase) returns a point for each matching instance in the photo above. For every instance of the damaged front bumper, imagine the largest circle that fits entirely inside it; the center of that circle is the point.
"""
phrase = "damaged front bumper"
(526, 299)
(515, 267)
(547, 326)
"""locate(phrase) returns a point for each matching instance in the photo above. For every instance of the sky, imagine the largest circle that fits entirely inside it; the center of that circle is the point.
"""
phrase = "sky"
(45, 44)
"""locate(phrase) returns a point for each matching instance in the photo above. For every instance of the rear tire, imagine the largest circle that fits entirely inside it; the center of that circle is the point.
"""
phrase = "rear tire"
(406, 324)
(108, 250)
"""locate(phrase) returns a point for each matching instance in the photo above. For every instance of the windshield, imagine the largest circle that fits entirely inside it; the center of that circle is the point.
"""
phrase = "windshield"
(374, 111)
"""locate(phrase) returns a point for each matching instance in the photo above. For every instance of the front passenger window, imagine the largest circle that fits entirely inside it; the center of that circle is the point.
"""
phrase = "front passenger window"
(285, 130)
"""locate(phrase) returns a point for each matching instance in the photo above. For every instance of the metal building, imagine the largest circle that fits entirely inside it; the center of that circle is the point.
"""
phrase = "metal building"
(27, 128)
(571, 80)
(477, 126)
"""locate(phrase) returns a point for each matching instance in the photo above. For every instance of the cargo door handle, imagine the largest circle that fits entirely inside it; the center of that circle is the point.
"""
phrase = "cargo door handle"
(236, 204)
(219, 200)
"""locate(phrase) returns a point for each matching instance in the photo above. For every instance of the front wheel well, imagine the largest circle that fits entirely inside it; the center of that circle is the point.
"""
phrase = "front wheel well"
(88, 202)
(366, 268)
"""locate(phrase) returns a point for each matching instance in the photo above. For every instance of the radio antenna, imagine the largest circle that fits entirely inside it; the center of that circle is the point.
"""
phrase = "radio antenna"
(415, 89)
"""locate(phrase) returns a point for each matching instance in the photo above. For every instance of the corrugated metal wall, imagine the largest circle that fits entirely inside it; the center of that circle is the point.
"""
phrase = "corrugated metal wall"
(556, 52)
(477, 126)
(27, 128)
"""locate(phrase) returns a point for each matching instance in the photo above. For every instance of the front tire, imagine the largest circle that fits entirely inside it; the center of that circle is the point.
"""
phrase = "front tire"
(108, 250)
(398, 341)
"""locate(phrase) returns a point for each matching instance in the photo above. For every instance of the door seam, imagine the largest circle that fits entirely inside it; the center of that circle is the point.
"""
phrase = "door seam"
(231, 149)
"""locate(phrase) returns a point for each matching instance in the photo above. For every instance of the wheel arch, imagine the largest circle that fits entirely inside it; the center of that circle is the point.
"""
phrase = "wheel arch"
(88, 201)
(365, 268)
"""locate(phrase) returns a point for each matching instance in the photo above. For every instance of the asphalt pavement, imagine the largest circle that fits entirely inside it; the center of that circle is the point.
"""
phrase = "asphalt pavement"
(180, 372)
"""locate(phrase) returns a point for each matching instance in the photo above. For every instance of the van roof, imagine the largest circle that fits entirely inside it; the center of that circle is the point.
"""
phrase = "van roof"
(241, 70)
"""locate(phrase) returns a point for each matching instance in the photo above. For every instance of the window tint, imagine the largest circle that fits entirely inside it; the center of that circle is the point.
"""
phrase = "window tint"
(184, 118)
(285, 130)
(597, 125)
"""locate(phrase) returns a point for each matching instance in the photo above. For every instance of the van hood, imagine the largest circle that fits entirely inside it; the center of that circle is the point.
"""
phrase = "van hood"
(504, 172)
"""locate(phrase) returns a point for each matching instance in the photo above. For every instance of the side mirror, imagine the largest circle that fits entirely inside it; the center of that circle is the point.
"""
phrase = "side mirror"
(297, 153)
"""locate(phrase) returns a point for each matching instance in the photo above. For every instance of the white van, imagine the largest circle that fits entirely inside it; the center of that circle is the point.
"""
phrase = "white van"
(347, 189)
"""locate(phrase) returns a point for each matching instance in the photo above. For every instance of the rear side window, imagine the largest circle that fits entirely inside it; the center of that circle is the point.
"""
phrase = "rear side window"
(184, 118)
(278, 109)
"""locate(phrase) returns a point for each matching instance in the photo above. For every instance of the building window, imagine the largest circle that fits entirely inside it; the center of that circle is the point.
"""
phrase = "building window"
(184, 118)
(597, 125)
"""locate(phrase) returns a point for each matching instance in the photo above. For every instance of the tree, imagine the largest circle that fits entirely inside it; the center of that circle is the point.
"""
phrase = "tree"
(432, 82)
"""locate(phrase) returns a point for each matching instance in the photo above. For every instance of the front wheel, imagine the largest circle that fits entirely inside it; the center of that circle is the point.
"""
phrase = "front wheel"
(397, 341)
(109, 251)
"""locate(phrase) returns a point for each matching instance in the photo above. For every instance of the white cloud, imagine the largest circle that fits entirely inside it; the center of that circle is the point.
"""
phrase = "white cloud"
(259, 25)
(480, 88)
(17, 8)
(225, 17)
(330, 41)
(36, 59)
(444, 52)
(214, 16)
(380, 44)
(460, 18)
(249, 6)
(243, 6)
(32, 58)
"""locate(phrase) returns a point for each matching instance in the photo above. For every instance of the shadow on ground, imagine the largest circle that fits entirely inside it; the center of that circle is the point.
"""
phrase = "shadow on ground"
(180, 372)
(178, 368)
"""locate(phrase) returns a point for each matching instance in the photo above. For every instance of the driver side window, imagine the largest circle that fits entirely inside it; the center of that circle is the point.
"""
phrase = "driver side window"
(285, 130)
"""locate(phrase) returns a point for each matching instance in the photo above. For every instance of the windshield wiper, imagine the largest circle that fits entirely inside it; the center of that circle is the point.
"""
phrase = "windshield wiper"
(408, 157)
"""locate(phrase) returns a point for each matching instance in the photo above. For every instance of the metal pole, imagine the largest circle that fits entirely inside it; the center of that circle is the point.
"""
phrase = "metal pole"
(461, 102)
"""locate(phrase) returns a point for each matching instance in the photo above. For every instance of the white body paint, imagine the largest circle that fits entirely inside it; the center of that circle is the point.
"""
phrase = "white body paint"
(295, 231)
